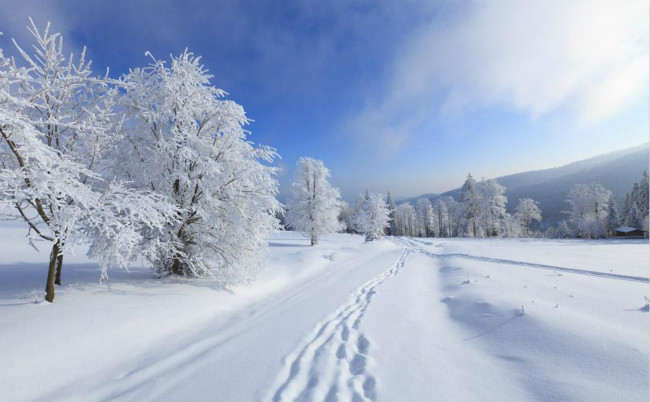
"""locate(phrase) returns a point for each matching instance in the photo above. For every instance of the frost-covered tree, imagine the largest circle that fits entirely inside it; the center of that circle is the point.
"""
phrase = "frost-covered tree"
(469, 199)
(492, 206)
(613, 216)
(188, 144)
(372, 216)
(456, 216)
(559, 231)
(527, 212)
(315, 205)
(57, 129)
(426, 218)
(511, 226)
(443, 217)
(589, 204)
(392, 229)
(406, 220)
(629, 215)
(636, 209)
(346, 217)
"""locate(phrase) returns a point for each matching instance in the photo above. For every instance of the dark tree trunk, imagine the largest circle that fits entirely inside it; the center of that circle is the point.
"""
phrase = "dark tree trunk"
(59, 264)
(314, 240)
(49, 285)
(176, 267)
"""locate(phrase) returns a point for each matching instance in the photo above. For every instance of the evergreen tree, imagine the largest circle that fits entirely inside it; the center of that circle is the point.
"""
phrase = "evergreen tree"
(391, 230)
(613, 217)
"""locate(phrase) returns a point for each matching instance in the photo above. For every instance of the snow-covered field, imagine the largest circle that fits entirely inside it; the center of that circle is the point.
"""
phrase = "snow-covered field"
(396, 319)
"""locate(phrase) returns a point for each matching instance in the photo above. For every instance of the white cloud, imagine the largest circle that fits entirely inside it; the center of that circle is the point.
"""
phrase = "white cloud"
(14, 21)
(583, 56)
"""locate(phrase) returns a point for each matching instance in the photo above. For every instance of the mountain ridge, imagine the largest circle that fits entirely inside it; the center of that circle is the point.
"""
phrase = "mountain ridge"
(616, 171)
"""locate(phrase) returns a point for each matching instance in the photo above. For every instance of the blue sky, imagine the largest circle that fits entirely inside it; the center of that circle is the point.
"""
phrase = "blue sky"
(405, 95)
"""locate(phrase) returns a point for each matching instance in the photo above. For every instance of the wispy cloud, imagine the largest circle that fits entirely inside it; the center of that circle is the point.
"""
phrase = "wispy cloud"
(588, 59)
(14, 22)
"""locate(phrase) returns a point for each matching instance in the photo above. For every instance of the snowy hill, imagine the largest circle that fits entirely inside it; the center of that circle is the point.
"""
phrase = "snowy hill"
(395, 319)
(616, 171)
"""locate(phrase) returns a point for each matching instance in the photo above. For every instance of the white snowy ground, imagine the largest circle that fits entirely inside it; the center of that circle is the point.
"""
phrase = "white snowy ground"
(392, 320)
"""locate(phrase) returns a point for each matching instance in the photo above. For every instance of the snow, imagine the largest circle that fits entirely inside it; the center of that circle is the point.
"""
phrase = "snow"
(625, 229)
(392, 319)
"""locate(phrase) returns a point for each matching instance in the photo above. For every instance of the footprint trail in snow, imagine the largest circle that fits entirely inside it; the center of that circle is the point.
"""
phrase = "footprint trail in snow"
(333, 363)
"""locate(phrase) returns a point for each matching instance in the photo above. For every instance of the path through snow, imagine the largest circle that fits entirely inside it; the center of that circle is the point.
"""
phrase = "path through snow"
(398, 319)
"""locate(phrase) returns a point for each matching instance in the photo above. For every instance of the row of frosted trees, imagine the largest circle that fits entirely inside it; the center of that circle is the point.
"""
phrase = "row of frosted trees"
(154, 164)
(480, 212)
(316, 209)
(594, 212)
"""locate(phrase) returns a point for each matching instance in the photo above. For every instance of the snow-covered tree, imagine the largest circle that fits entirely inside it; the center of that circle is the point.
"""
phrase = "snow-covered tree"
(372, 216)
(443, 217)
(315, 205)
(392, 229)
(636, 209)
(559, 231)
(527, 212)
(492, 206)
(630, 211)
(57, 129)
(456, 216)
(613, 216)
(187, 144)
(589, 204)
(406, 220)
(469, 199)
(426, 218)
(511, 226)
(346, 217)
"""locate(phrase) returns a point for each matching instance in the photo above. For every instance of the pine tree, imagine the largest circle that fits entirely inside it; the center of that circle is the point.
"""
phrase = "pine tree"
(613, 217)
(391, 230)
(635, 209)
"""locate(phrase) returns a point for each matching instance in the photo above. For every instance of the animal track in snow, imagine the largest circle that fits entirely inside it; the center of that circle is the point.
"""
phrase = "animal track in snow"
(333, 363)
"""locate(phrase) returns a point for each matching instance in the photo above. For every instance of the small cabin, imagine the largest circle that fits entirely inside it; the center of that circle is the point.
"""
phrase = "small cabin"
(625, 231)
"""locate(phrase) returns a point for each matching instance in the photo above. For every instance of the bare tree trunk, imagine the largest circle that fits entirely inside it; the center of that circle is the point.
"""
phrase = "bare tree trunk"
(314, 240)
(176, 266)
(49, 285)
(59, 264)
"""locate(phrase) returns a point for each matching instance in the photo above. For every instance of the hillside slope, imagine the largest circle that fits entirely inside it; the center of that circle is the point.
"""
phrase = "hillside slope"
(616, 171)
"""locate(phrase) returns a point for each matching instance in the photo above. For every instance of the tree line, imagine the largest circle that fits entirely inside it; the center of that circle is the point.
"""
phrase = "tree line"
(480, 211)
